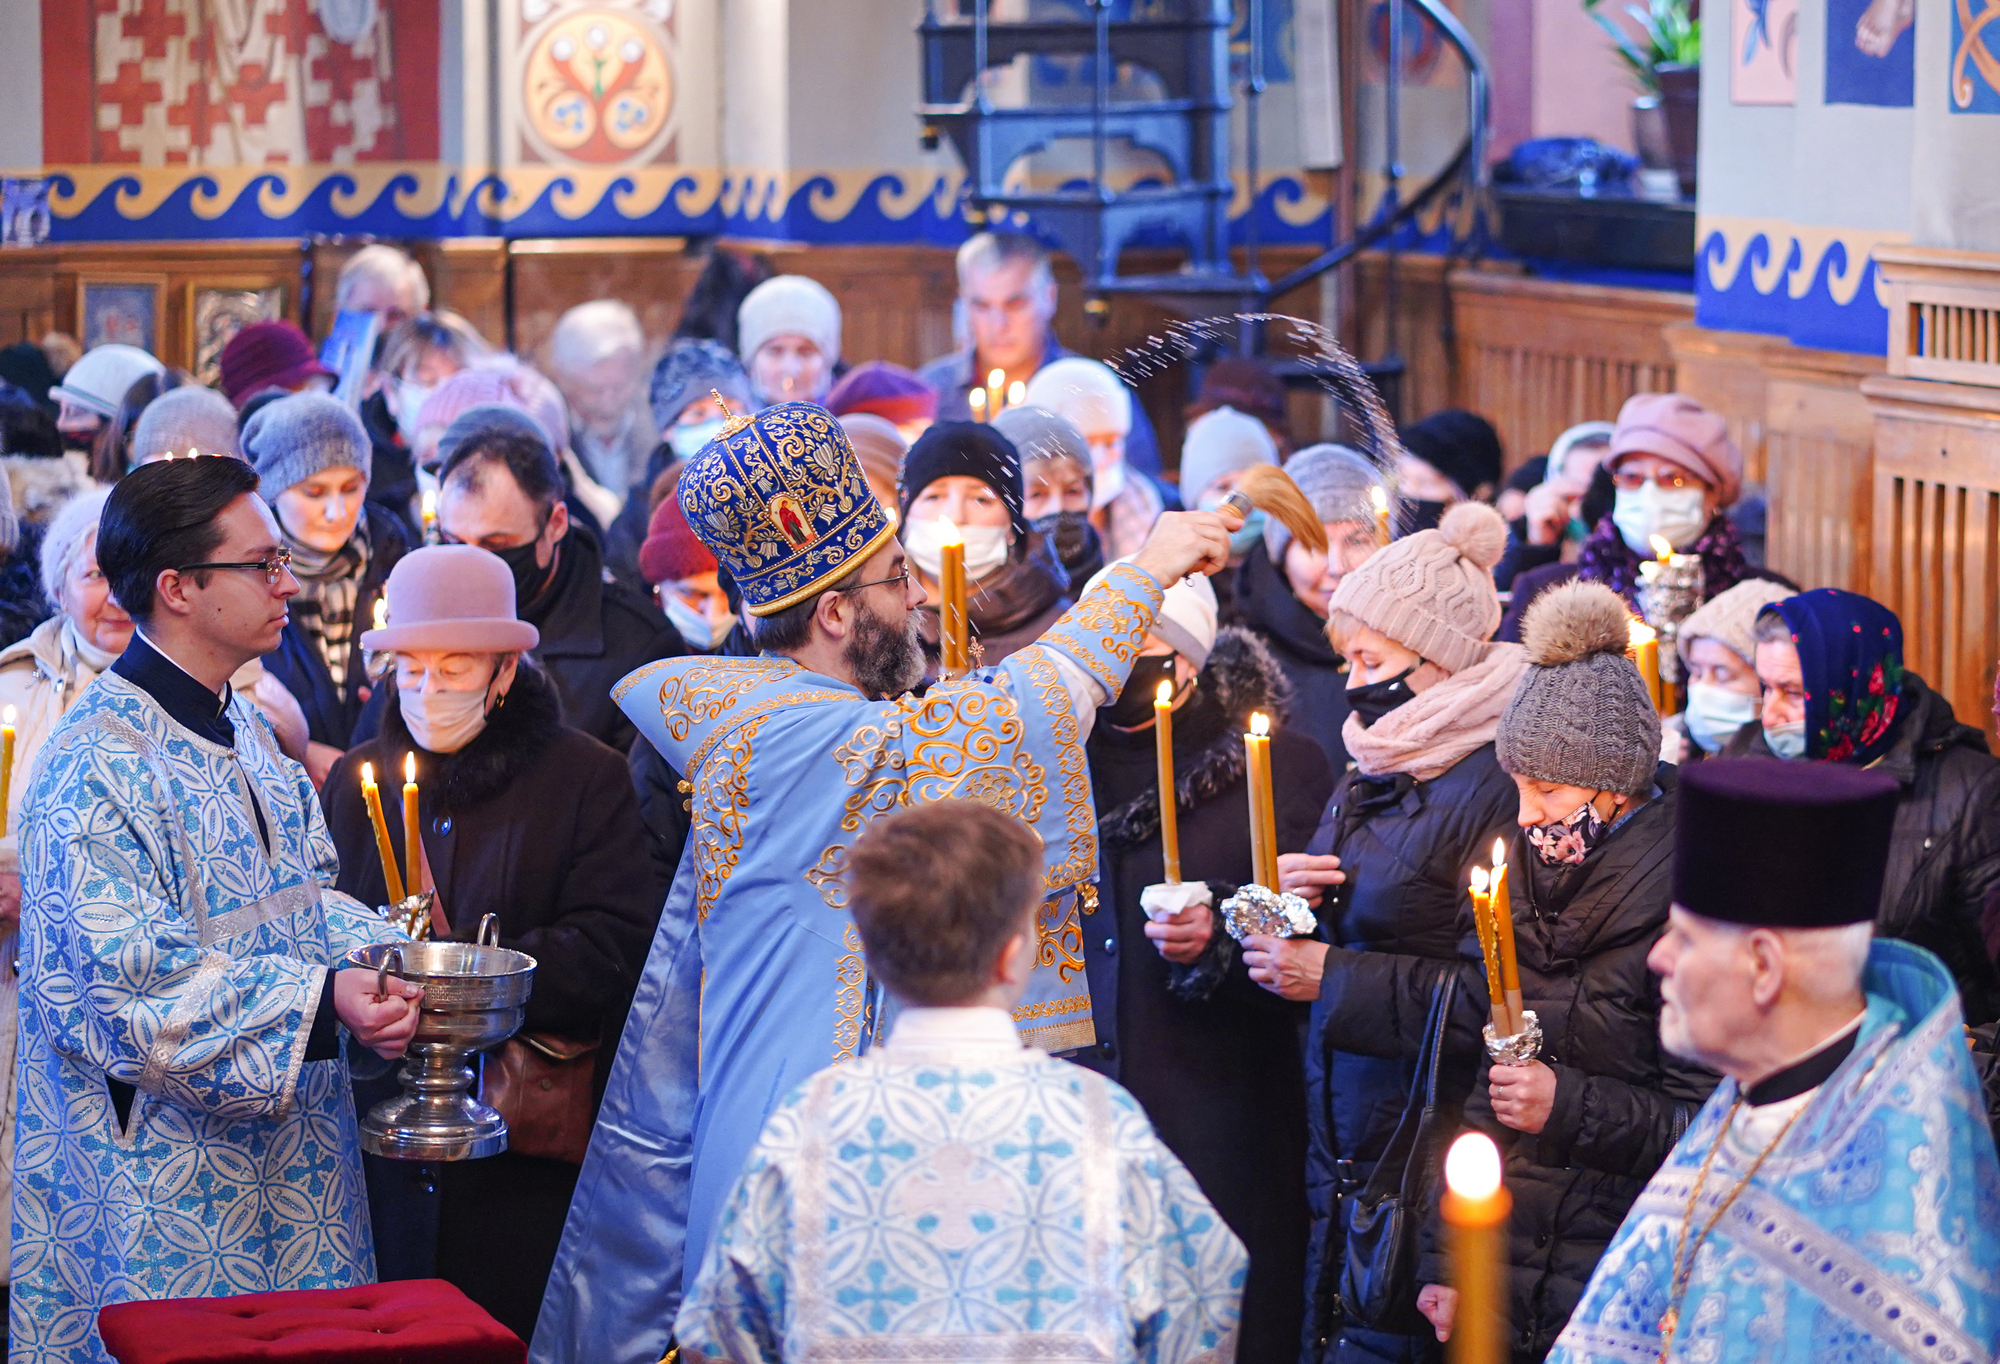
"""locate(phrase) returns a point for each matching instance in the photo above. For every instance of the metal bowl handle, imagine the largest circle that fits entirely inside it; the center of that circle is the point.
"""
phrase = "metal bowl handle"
(488, 922)
(394, 954)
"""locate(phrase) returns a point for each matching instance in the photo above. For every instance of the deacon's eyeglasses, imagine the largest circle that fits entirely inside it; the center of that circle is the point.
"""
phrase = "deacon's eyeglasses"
(278, 563)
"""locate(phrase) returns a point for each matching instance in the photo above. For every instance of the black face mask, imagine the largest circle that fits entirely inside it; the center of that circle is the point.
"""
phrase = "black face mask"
(1134, 706)
(1377, 699)
(529, 577)
(1071, 534)
(1422, 516)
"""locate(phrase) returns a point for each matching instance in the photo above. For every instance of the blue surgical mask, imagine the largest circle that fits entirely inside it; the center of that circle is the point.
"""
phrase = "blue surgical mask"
(1787, 741)
(1248, 534)
(688, 440)
(1715, 713)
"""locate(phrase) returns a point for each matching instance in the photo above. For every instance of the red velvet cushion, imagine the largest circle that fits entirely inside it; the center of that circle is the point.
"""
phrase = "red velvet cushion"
(410, 1321)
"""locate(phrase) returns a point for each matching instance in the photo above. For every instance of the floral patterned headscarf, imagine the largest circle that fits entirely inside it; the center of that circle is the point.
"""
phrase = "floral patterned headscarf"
(1851, 660)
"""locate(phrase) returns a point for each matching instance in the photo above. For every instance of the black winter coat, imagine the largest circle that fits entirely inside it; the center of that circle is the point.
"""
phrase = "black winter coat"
(537, 823)
(392, 471)
(1403, 915)
(1944, 853)
(1581, 937)
(1212, 1056)
(332, 712)
(1265, 604)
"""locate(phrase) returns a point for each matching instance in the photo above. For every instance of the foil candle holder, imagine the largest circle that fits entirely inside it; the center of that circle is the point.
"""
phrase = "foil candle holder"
(1256, 911)
(1670, 588)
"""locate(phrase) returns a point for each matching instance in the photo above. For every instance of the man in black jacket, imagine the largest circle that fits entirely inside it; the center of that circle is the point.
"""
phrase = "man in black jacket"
(502, 490)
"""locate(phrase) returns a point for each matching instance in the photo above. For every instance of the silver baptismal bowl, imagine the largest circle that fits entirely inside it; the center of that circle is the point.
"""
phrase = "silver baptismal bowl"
(475, 996)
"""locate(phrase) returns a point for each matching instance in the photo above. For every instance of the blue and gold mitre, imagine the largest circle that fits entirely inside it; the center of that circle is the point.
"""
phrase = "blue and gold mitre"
(780, 500)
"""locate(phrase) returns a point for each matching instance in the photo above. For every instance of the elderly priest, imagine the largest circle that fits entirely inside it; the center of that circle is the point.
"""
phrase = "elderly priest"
(1838, 1197)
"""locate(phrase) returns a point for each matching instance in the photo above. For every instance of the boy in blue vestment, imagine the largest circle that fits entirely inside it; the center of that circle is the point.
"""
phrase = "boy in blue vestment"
(954, 1194)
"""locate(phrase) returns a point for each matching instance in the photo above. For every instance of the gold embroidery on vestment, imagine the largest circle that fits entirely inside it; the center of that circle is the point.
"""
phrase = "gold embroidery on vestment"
(722, 804)
(850, 974)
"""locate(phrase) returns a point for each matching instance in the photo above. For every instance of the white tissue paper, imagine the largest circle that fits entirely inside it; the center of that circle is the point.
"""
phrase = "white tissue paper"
(1163, 901)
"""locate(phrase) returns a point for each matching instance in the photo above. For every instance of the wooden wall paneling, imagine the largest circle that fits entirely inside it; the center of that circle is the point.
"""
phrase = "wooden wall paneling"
(27, 296)
(895, 301)
(469, 276)
(653, 275)
(180, 268)
(1819, 472)
(1535, 357)
(1936, 547)
(1421, 312)
(1727, 372)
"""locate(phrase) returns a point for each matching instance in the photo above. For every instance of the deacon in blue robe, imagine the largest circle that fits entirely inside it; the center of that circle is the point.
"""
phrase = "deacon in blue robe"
(185, 1127)
(1839, 1205)
(756, 977)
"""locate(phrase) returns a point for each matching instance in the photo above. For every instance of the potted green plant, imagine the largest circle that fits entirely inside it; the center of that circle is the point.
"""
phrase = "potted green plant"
(1665, 61)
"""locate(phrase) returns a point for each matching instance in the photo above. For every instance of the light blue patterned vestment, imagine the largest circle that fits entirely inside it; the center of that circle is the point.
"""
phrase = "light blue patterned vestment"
(969, 1200)
(756, 979)
(1872, 1232)
(163, 948)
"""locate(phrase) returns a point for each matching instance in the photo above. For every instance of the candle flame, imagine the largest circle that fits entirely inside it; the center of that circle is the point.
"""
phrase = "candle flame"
(1499, 853)
(1638, 632)
(193, 452)
(1380, 497)
(1260, 723)
(1472, 1166)
(976, 399)
(381, 614)
(7, 716)
(367, 775)
(1663, 549)
(951, 533)
(430, 505)
(998, 379)
(409, 767)
(1164, 694)
(1479, 880)
(1017, 393)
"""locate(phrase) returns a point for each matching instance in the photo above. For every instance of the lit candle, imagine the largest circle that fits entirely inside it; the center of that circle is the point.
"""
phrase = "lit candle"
(1489, 949)
(1263, 822)
(1645, 651)
(1380, 497)
(1170, 817)
(1501, 906)
(413, 846)
(976, 400)
(1475, 1208)
(951, 601)
(1663, 549)
(6, 770)
(1017, 393)
(996, 390)
(430, 505)
(372, 796)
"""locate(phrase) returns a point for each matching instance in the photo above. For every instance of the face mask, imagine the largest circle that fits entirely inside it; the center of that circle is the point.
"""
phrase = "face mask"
(529, 577)
(688, 440)
(1714, 713)
(1567, 842)
(1069, 532)
(1134, 706)
(410, 398)
(1377, 699)
(1252, 531)
(443, 721)
(1109, 483)
(1787, 741)
(693, 623)
(985, 547)
(1676, 516)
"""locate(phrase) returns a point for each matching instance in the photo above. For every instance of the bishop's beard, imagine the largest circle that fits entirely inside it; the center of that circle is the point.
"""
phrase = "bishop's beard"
(885, 661)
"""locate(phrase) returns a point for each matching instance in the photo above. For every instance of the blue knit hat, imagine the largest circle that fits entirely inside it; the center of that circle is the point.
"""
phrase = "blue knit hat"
(293, 438)
(781, 502)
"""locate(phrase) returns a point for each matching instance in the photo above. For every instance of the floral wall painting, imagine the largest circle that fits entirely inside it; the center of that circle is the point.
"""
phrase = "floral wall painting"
(1975, 57)
(1871, 52)
(1764, 51)
(596, 84)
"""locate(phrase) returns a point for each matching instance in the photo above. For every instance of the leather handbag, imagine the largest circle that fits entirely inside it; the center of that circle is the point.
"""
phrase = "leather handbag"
(1378, 1284)
(542, 1085)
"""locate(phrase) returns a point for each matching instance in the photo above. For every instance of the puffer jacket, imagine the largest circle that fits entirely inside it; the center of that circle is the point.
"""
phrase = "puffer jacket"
(1403, 915)
(1944, 853)
(1581, 935)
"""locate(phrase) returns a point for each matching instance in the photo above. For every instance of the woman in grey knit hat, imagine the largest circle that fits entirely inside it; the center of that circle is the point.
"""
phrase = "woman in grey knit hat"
(1585, 1124)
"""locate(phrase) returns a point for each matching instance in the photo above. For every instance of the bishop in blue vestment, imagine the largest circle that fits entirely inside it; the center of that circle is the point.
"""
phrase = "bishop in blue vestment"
(756, 978)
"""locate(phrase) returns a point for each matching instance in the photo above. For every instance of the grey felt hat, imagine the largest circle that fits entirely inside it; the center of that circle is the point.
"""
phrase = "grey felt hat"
(1336, 480)
(1582, 715)
(293, 438)
(184, 419)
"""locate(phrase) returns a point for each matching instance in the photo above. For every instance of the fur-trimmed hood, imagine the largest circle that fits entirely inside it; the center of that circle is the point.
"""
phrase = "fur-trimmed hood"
(1240, 676)
(527, 719)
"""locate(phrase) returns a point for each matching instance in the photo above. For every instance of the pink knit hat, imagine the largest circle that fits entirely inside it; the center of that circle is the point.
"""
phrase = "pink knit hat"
(508, 383)
(1684, 433)
(454, 597)
(1433, 592)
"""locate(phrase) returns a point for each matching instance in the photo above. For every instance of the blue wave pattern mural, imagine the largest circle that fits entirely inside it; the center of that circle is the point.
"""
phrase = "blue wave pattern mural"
(1817, 287)
(112, 204)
